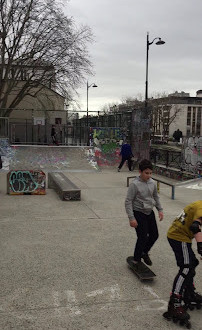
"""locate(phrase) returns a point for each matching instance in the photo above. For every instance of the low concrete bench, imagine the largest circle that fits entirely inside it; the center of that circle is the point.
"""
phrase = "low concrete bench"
(164, 181)
(65, 188)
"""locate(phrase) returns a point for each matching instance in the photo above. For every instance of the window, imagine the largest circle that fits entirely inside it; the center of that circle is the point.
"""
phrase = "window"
(188, 132)
(198, 122)
(189, 116)
(194, 121)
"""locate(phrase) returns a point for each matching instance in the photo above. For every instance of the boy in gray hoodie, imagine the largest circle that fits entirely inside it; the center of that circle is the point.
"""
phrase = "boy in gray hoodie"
(142, 196)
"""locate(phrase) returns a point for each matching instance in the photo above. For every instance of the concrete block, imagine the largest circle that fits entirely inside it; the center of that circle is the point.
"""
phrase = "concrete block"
(64, 187)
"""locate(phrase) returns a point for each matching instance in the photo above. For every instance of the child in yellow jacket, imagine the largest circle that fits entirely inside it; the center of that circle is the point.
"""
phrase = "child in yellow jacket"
(185, 227)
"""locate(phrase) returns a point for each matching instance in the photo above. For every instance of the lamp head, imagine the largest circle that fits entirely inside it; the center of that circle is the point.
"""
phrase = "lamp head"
(160, 42)
(94, 85)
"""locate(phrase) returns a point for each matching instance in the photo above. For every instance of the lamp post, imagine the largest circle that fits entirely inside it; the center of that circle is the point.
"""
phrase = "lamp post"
(159, 42)
(88, 86)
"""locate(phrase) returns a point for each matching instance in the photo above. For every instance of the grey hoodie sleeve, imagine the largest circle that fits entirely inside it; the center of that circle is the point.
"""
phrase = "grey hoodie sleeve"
(131, 194)
(157, 200)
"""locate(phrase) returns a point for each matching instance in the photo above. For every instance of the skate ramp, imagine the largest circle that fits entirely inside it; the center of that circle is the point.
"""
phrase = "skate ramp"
(192, 184)
(48, 158)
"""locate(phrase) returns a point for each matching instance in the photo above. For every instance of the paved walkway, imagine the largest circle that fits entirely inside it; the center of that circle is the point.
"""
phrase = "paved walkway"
(63, 264)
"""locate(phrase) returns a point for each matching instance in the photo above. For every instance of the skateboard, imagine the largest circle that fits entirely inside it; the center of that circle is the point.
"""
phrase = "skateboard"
(145, 273)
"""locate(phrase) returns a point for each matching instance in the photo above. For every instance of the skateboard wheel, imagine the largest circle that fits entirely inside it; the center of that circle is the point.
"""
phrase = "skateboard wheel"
(188, 325)
(167, 316)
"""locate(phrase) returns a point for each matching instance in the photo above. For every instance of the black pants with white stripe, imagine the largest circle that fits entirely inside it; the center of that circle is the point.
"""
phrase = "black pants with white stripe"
(187, 262)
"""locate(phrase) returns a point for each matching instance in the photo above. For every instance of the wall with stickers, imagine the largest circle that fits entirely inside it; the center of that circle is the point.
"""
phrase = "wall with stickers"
(192, 155)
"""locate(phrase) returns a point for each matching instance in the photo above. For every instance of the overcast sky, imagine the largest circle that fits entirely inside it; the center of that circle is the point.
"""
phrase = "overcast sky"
(119, 52)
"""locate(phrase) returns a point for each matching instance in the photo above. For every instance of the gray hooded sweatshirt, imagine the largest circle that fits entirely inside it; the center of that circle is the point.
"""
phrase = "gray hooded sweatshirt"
(142, 196)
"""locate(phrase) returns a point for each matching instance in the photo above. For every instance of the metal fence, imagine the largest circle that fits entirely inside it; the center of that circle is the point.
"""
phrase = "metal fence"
(168, 158)
(27, 133)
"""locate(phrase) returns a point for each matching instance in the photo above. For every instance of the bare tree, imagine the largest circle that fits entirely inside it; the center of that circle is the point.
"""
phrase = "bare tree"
(129, 100)
(164, 112)
(39, 46)
(109, 108)
(161, 108)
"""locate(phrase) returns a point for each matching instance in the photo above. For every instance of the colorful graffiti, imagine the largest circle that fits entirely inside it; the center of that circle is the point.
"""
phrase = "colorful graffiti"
(192, 155)
(30, 182)
(106, 142)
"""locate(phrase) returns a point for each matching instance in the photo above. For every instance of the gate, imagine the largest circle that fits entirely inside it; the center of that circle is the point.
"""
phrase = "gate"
(4, 127)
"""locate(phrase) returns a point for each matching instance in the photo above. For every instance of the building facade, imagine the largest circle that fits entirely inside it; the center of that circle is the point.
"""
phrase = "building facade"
(189, 118)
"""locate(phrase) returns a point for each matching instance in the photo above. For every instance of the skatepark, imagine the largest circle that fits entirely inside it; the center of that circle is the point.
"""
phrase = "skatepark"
(63, 263)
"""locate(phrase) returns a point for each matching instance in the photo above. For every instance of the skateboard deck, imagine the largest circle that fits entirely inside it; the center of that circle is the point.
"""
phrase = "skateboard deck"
(145, 273)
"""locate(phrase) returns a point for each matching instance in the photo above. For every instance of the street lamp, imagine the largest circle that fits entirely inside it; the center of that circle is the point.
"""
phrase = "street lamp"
(88, 86)
(159, 42)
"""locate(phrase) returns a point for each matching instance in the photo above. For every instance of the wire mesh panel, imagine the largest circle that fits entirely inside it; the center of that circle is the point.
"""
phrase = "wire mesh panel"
(4, 127)
(28, 133)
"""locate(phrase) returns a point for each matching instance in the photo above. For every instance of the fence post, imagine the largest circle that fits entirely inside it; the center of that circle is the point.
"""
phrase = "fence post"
(167, 158)
(173, 192)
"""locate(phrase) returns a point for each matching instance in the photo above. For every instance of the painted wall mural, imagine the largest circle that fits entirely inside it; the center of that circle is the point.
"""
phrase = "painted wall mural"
(106, 142)
(27, 182)
(192, 155)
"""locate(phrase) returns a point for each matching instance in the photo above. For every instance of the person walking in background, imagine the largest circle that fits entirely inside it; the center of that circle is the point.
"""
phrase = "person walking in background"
(126, 154)
(141, 198)
(53, 135)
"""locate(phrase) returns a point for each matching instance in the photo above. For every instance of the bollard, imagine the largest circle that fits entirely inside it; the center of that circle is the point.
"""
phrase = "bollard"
(158, 186)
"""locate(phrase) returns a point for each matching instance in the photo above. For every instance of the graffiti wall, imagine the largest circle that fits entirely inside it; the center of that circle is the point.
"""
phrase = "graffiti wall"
(192, 155)
(106, 142)
(30, 182)
(141, 133)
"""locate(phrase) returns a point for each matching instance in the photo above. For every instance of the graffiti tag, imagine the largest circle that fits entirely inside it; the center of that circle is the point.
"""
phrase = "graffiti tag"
(26, 182)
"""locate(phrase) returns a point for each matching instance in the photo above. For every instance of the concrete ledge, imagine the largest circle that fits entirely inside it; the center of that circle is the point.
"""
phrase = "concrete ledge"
(65, 188)
(172, 173)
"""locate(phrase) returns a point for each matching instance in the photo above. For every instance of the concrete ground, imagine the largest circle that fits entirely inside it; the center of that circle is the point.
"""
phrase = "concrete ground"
(63, 264)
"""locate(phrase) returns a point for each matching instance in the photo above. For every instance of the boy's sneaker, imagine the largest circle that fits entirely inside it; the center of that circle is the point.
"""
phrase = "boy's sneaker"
(147, 259)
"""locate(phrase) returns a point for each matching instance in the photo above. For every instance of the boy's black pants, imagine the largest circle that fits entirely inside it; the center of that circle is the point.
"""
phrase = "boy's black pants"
(147, 233)
(187, 262)
(123, 160)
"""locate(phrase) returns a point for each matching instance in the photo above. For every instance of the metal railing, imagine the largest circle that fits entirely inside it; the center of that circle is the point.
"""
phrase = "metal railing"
(168, 158)
(27, 133)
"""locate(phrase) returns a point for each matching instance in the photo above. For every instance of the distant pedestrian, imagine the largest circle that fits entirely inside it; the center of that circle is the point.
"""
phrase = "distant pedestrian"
(126, 154)
(53, 135)
(177, 135)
